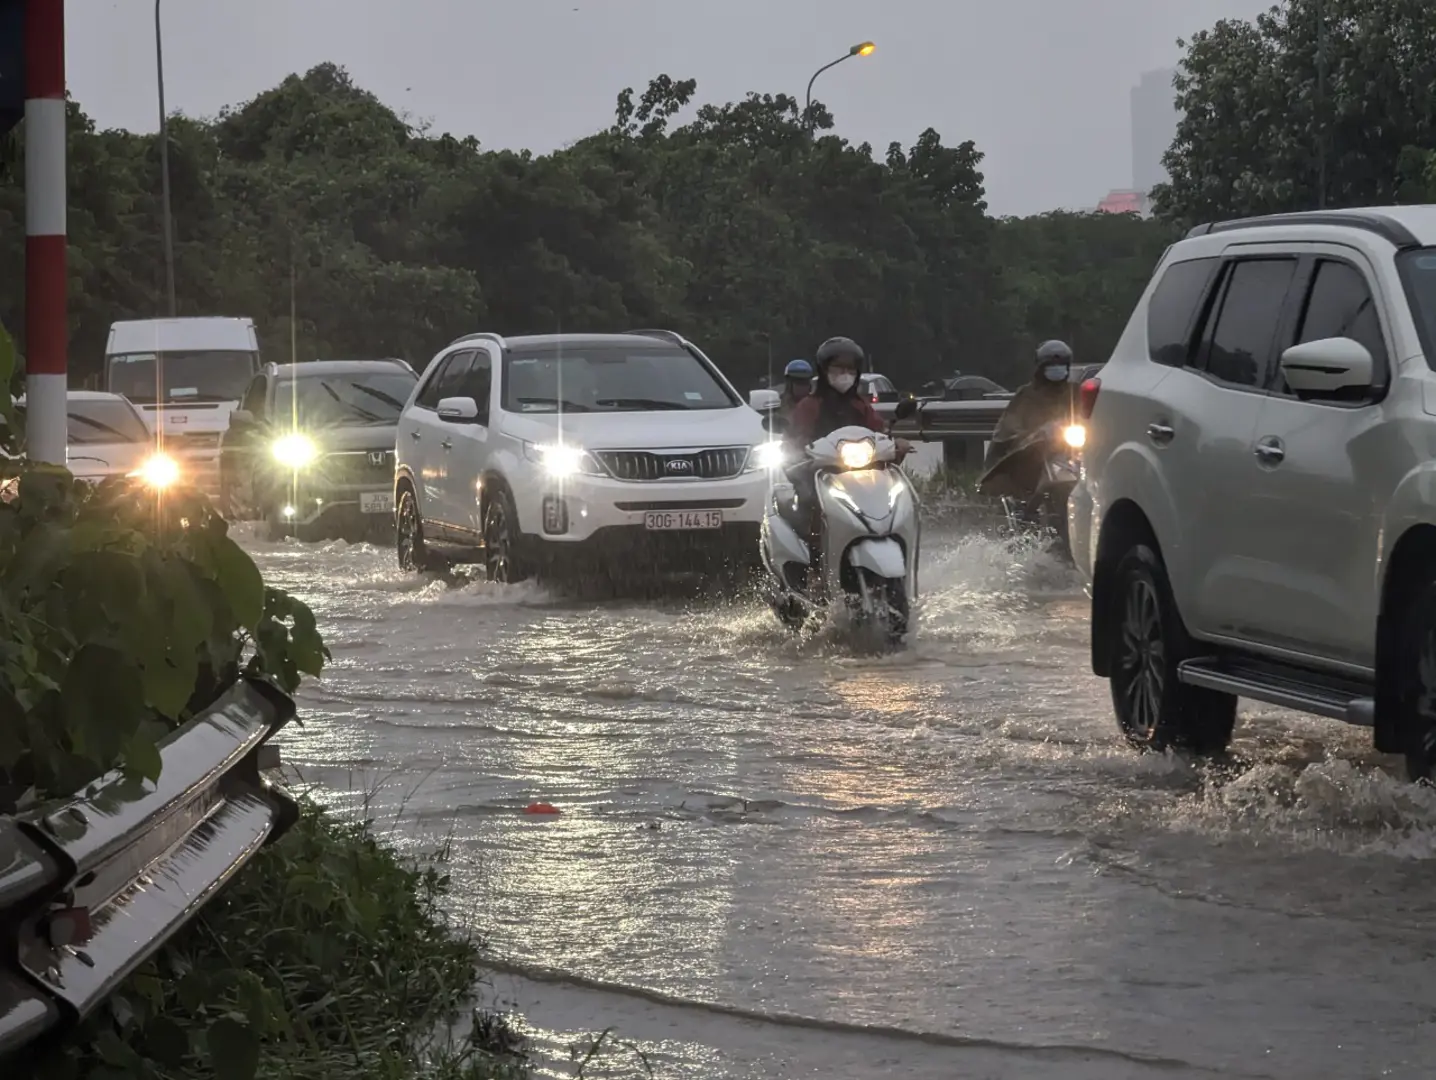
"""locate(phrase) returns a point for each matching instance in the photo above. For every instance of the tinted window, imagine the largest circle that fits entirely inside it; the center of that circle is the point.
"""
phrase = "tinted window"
(1241, 331)
(1340, 304)
(447, 373)
(1172, 310)
(105, 422)
(177, 377)
(1418, 274)
(254, 396)
(479, 384)
(351, 398)
(638, 377)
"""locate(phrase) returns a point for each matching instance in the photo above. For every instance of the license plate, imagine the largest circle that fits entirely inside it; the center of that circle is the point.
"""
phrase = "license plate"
(376, 502)
(676, 520)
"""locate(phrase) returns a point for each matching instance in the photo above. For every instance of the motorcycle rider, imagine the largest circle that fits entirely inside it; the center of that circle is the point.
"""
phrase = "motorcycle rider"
(797, 385)
(1047, 399)
(834, 404)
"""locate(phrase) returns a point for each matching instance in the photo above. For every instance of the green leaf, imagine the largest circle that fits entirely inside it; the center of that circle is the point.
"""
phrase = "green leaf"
(142, 756)
(102, 701)
(166, 1042)
(240, 580)
(233, 1050)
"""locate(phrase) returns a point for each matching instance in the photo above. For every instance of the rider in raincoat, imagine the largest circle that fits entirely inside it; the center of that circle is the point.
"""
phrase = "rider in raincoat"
(1047, 399)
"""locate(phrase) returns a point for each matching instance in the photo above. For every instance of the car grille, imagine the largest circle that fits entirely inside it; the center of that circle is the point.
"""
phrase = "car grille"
(359, 466)
(715, 464)
(204, 440)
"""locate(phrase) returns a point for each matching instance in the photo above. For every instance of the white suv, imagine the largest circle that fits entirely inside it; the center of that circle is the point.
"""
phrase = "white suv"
(630, 449)
(1257, 513)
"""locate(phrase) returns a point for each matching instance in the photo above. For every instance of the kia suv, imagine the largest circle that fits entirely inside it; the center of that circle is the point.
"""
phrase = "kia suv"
(1257, 509)
(614, 452)
(310, 450)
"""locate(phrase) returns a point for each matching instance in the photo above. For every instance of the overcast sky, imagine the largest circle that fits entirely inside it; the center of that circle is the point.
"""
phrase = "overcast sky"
(1041, 85)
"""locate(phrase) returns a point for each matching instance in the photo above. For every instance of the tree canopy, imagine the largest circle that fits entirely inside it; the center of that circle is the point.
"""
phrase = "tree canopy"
(1260, 113)
(733, 223)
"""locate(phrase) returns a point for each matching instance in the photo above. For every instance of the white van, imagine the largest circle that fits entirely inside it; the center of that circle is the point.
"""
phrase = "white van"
(187, 376)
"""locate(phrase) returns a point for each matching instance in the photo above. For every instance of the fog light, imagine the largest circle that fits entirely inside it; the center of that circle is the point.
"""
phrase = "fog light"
(555, 515)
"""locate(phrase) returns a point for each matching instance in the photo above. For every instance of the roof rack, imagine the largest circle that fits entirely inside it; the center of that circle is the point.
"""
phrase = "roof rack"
(1385, 227)
(483, 336)
(663, 335)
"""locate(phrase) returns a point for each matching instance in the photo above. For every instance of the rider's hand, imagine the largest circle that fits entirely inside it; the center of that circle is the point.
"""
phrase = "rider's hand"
(904, 448)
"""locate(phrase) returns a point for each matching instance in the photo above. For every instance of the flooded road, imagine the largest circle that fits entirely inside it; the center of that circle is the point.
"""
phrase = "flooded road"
(775, 860)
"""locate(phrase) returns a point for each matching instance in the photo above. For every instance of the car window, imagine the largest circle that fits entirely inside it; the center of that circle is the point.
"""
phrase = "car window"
(478, 384)
(1418, 275)
(642, 376)
(446, 372)
(352, 398)
(1237, 345)
(1340, 304)
(254, 396)
(1172, 310)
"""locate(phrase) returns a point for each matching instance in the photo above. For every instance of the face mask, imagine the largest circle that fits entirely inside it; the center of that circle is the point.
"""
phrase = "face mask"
(1056, 374)
(842, 381)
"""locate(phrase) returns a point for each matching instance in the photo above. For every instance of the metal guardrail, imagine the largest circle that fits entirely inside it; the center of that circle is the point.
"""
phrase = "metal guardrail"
(92, 886)
(963, 427)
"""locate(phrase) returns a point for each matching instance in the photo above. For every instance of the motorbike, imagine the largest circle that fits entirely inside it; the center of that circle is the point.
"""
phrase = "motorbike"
(1045, 466)
(867, 561)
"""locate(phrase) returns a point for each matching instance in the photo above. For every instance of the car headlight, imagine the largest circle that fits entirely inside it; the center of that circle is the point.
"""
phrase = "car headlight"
(159, 471)
(1075, 436)
(768, 455)
(857, 455)
(560, 460)
(294, 451)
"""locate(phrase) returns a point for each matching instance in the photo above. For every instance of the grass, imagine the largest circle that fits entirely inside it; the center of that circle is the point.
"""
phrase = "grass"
(329, 958)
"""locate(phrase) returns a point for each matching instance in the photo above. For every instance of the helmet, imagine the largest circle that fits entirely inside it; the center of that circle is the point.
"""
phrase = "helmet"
(798, 369)
(1053, 352)
(836, 347)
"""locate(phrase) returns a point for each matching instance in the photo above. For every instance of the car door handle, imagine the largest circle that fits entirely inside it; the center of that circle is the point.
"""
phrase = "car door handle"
(447, 443)
(1161, 434)
(414, 435)
(1270, 451)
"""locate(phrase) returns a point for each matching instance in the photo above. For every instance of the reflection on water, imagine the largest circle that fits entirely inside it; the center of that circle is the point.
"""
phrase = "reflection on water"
(950, 840)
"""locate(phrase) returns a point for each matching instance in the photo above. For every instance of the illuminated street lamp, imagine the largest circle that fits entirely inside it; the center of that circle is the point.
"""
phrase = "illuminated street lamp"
(864, 48)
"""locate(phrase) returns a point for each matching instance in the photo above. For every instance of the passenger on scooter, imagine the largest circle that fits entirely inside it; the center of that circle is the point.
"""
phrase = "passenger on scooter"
(834, 404)
(1047, 399)
(797, 385)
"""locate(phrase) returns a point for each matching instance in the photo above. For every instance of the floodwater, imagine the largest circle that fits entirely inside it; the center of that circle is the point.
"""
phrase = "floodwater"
(774, 860)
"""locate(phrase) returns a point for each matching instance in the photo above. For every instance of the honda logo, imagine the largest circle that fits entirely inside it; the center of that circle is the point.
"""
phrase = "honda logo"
(378, 457)
(678, 465)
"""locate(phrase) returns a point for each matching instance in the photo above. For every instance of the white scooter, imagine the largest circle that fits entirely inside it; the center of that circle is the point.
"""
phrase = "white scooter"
(870, 535)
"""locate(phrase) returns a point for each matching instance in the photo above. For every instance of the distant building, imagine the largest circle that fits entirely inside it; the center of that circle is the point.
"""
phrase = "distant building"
(1125, 202)
(1154, 126)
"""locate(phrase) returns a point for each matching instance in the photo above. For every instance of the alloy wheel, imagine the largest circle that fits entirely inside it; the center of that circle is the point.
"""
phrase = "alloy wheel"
(1142, 658)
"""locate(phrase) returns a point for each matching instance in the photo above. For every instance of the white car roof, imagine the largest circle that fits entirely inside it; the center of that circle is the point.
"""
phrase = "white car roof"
(1404, 226)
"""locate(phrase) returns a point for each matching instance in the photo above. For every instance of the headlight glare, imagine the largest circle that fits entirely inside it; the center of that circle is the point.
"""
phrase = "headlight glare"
(560, 460)
(159, 471)
(857, 455)
(769, 455)
(294, 451)
(1075, 436)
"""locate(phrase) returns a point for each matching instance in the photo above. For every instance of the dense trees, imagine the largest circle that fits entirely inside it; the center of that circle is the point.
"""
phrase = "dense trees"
(1264, 122)
(739, 227)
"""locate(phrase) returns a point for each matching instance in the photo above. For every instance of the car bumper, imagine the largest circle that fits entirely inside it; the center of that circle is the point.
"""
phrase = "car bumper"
(309, 500)
(579, 509)
(621, 551)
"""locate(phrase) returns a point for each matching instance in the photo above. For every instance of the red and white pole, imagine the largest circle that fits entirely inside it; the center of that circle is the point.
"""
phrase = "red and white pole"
(46, 328)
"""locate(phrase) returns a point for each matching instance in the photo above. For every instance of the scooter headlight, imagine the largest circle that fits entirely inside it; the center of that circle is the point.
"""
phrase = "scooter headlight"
(857, 455)
(1075, 436)
(769, 455)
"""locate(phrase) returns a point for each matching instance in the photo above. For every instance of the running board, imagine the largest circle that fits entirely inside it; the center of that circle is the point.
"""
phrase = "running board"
(1288, 688)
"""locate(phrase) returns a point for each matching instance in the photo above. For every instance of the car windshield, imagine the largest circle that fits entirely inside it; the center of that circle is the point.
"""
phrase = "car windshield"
(1418, 271)
(100, 421)
(610, 378)
(180, 377)
(354, 398)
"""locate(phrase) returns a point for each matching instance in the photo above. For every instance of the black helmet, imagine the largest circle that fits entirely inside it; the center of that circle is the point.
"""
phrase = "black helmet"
(835, 347)
(1052, 353)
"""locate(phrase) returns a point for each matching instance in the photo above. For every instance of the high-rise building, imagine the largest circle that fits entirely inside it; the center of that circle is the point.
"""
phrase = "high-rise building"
(1154, 126)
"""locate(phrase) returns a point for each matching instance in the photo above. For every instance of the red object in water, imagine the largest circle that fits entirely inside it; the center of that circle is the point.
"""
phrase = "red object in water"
(1087, 396)
(540, 808)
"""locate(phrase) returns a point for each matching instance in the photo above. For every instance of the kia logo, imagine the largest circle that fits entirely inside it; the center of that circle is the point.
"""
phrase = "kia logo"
(678, 465)
(378, 457)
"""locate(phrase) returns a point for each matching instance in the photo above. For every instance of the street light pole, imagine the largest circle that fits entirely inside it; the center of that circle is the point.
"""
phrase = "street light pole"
(864, 48)
(165, 165)
(1321, 104)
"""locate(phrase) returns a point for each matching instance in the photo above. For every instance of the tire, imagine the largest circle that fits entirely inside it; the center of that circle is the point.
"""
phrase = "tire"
(1416, 685)
(1155, 709)
(502, 561)
(409, 535)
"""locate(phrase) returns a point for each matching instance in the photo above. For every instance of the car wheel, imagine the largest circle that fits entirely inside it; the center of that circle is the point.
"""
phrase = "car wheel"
(1416, 680)
(409, 535)
(1155, 709)
(501, 541)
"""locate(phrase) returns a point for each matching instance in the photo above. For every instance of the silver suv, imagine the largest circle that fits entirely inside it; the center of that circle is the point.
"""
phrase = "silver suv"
(1257, 510)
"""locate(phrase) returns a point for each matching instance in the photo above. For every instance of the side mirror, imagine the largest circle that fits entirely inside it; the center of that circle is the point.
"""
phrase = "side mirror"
(1327, 366)
(765, 400)
(241, 418)
(905, 408)
(458, 410)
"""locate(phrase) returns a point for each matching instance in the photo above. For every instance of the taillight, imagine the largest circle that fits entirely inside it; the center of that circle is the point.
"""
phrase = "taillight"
(875, 399)
(1087, 397)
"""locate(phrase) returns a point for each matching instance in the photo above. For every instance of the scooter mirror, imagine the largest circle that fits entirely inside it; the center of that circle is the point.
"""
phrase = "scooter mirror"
(905, 409)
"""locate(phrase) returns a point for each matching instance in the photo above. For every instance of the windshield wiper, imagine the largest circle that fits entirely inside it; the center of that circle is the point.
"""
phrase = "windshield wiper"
(656, 404)
(372, 418)
(185, 399)
(101, 426)
(385, 398)
(557, 403)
